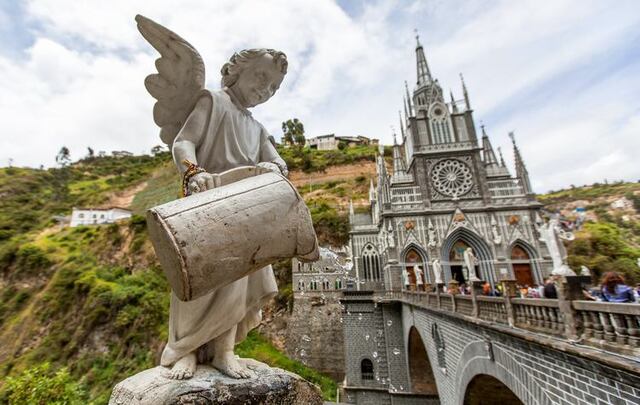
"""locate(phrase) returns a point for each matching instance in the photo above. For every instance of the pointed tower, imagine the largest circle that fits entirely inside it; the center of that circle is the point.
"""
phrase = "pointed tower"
(409, 106)
(454, 107)
(424, 74)
(400, 174)
(466, 93)
(502, 164)
(488, 155)
(401, 128)
(521, 169)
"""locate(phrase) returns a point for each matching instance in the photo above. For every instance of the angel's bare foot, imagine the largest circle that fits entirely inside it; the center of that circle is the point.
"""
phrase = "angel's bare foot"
(184, 368)
(227, 363)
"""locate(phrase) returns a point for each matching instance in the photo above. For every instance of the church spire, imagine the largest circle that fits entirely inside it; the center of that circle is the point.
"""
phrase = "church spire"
(454, 107)
(487, 150)
(406, 89)
(424, 75)
(401, 128)
(502, 164)
(466, 94)
(521, 169)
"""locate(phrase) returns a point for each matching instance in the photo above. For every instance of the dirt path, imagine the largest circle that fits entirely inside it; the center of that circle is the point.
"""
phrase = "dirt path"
(332, 173)
(124, 198)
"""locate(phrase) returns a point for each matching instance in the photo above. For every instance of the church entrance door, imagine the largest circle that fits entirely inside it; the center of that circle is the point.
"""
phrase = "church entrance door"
(523, 274)
(521, 266)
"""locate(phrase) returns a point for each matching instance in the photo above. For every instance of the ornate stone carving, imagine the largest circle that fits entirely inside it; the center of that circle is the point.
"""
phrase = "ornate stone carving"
(452, 177)
(433, 237)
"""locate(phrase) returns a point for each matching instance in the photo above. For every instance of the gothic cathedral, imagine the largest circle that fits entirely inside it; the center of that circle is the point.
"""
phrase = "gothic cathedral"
(448, 193)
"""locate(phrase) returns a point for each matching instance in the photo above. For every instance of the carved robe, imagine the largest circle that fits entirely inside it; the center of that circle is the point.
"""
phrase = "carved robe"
(231, 138)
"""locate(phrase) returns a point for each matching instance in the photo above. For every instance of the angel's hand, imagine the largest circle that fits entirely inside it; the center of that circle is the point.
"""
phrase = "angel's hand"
(200, 182)
(270, 166)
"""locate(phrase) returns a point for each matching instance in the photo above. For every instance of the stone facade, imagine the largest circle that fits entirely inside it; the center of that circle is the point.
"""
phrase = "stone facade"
(449, 193)
(314, 331)
(458, 353)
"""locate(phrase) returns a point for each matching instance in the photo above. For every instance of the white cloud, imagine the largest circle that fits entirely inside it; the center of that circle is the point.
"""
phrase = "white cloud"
(80, 84)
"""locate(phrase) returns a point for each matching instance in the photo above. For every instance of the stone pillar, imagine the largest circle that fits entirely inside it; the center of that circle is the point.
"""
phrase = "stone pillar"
(509, 290)
(476, 290)
(438, 292)
(569, 289)
(454, 290)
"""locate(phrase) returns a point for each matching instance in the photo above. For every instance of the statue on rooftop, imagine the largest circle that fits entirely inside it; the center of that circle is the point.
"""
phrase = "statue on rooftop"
(212, 132)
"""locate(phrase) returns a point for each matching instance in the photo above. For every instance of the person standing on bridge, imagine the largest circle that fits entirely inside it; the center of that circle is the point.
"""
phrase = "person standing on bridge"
(614, 289)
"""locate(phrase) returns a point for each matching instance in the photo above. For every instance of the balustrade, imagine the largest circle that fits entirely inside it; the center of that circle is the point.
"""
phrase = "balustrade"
(609, 324)
(538, 314)
(463, 304)
(492, 309)
(612, 326)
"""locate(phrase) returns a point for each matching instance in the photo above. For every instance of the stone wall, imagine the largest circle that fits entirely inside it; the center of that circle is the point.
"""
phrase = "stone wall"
(315, 332)
(537, 374)
(470, 362)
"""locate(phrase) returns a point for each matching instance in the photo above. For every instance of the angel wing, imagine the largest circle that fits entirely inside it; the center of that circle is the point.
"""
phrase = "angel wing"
(179, 81)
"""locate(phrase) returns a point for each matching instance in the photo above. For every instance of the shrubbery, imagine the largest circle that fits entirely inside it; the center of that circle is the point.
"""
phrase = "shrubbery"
(40, 385)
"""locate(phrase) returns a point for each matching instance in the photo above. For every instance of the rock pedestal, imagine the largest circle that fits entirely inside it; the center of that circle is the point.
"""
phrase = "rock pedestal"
(271, 386)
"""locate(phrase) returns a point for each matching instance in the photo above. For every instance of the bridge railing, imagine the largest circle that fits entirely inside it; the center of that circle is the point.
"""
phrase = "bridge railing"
(611, 326)
(608, 324)
(538, 314)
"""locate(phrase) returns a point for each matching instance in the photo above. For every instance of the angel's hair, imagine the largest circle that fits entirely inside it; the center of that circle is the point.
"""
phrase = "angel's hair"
(231, 70)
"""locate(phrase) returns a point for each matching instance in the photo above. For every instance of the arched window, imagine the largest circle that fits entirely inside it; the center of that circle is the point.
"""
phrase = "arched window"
(366, 369)
(338, 284)
(301, 285)
(325, 284)
(370, 263)
(456, 262)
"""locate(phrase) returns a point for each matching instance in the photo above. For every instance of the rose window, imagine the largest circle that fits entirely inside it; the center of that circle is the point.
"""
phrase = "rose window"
(452, 177)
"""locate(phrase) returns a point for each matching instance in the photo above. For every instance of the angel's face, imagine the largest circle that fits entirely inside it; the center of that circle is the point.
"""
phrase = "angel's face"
(259, 81)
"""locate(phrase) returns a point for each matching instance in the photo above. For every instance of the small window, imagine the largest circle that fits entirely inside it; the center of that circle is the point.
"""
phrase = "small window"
(81, 215)
(366, 369)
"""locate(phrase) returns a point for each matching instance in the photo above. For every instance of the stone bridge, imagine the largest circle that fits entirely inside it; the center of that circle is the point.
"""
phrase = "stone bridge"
(429, 348)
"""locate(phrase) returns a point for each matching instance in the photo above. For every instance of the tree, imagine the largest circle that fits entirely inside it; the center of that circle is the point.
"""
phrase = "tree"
(293, 132)
(90, 153)
(64, 157)
(157, 149)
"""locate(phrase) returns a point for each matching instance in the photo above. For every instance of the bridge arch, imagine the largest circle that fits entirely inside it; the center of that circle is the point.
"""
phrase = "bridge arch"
(483, 361)
(533, 260)
(420, 371)
(480, 249)
(484, 387)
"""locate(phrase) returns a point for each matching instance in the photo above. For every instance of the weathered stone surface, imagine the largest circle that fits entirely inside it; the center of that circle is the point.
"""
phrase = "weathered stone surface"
(209, 386)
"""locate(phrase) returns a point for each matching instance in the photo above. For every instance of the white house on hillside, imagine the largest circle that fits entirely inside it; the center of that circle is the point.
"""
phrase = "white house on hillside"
(96, 216)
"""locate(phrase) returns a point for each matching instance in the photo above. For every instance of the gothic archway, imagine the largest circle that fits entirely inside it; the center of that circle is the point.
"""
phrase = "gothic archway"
(524, 263)
(422, 378)
(484, 389)
(412, 257)
(481, 250)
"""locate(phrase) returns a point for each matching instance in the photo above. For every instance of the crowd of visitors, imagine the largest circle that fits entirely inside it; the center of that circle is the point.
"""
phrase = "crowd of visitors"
(612, 288)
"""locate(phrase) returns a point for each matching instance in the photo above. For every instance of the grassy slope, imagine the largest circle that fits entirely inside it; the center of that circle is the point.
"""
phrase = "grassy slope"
(93, 299)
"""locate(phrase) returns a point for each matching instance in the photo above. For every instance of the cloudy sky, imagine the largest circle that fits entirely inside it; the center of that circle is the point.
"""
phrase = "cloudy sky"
(564, 75)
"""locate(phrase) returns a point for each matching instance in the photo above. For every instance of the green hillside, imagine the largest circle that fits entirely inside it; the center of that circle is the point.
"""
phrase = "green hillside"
(82, 308)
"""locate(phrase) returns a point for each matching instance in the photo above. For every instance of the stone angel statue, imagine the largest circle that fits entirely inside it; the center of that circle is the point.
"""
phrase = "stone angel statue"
(552, 235)
(212, 131)
(437, 271)
(470, 261)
